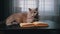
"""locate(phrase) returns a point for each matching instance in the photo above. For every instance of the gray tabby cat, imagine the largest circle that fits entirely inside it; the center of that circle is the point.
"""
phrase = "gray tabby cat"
(23, 17)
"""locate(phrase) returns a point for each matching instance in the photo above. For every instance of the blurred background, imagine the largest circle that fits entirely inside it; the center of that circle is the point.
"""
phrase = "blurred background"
(47, 9)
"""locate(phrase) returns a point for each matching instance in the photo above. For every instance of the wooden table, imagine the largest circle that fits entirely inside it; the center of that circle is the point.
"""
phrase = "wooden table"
(52, 25)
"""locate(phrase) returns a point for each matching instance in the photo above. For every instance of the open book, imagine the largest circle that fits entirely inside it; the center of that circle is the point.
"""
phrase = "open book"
(34, 24)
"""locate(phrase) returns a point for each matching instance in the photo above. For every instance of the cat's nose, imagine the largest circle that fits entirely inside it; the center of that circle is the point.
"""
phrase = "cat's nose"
(32, 16)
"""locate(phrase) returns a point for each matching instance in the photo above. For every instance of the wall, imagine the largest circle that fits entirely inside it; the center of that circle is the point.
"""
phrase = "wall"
(4, 9)
(9, 9)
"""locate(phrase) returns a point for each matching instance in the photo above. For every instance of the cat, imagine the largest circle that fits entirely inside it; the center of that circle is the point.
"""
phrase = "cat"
(23, 17)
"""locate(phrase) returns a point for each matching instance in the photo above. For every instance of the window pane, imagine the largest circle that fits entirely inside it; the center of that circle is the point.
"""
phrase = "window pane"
(49, 7)
(46, 7)
(25, 4)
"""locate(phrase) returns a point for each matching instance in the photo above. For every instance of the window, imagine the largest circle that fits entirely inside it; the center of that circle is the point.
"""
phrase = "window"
(25, 4)
(46, 7)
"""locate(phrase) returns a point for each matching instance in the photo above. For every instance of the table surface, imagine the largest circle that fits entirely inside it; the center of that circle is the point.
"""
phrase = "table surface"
(52, 25)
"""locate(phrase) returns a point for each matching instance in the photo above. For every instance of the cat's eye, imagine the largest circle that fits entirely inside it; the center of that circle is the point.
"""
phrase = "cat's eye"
(34, 12)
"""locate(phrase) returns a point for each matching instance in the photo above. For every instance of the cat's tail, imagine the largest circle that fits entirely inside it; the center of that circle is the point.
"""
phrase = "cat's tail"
(8, 21)
(5, 22)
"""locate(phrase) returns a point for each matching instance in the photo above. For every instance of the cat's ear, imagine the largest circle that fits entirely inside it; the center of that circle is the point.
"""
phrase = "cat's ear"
(29, 9)
(36, 9)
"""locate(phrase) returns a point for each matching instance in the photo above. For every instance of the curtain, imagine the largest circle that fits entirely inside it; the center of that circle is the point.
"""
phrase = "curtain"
(25, 4)
(45, 7)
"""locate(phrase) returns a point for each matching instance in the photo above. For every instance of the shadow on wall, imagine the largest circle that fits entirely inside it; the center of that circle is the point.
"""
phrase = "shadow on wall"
(51, 18)
(48, 16)
(8, 12)
(13, 10)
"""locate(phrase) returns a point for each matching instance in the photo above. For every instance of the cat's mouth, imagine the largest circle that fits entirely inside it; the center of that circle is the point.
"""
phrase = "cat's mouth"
(31, 17)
